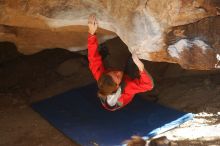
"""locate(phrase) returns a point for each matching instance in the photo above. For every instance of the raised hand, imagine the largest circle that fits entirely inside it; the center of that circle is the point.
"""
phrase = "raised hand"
(92, 24)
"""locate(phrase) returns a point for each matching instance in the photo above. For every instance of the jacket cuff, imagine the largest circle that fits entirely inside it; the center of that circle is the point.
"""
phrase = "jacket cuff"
(142, 72)
(91, 35)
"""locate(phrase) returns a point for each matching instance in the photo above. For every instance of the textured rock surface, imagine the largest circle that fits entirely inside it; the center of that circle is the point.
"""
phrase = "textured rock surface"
(176, 31)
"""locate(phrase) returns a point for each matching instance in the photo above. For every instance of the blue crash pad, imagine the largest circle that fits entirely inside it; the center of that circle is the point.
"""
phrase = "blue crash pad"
(79, 114)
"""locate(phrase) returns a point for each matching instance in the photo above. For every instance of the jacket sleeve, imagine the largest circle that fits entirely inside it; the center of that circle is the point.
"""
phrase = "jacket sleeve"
(133, 86)
(95, 60)
(144, 83)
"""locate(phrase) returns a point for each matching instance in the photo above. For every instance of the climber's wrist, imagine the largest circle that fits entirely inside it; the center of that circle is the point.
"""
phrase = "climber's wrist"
(91, 32)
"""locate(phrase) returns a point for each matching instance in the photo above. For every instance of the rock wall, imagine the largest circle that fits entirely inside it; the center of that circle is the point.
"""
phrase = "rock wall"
(160, 31)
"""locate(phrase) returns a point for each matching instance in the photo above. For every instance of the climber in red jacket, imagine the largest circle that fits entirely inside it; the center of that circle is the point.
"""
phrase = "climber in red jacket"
(116, 88)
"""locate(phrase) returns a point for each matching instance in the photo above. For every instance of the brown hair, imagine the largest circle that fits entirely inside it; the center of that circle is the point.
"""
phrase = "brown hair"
(135, 141)
(106, 85)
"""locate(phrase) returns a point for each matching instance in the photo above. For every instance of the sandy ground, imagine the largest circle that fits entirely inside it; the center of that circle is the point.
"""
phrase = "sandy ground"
(27, 79)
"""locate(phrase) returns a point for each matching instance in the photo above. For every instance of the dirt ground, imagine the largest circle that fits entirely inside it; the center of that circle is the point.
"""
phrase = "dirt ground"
(27, 79)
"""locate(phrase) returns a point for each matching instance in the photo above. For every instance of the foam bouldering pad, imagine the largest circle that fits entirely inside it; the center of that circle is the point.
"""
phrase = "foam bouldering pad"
(78, 114)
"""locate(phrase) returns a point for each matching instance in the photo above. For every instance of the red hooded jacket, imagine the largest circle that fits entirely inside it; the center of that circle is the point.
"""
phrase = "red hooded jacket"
(132, 86)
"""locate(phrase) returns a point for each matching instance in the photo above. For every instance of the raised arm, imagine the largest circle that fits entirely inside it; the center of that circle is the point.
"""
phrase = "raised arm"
(144, 83)
(133, 86)
(95, 59)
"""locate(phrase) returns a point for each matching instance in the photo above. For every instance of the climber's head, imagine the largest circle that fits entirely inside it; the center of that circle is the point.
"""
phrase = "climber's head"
(109, 82)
